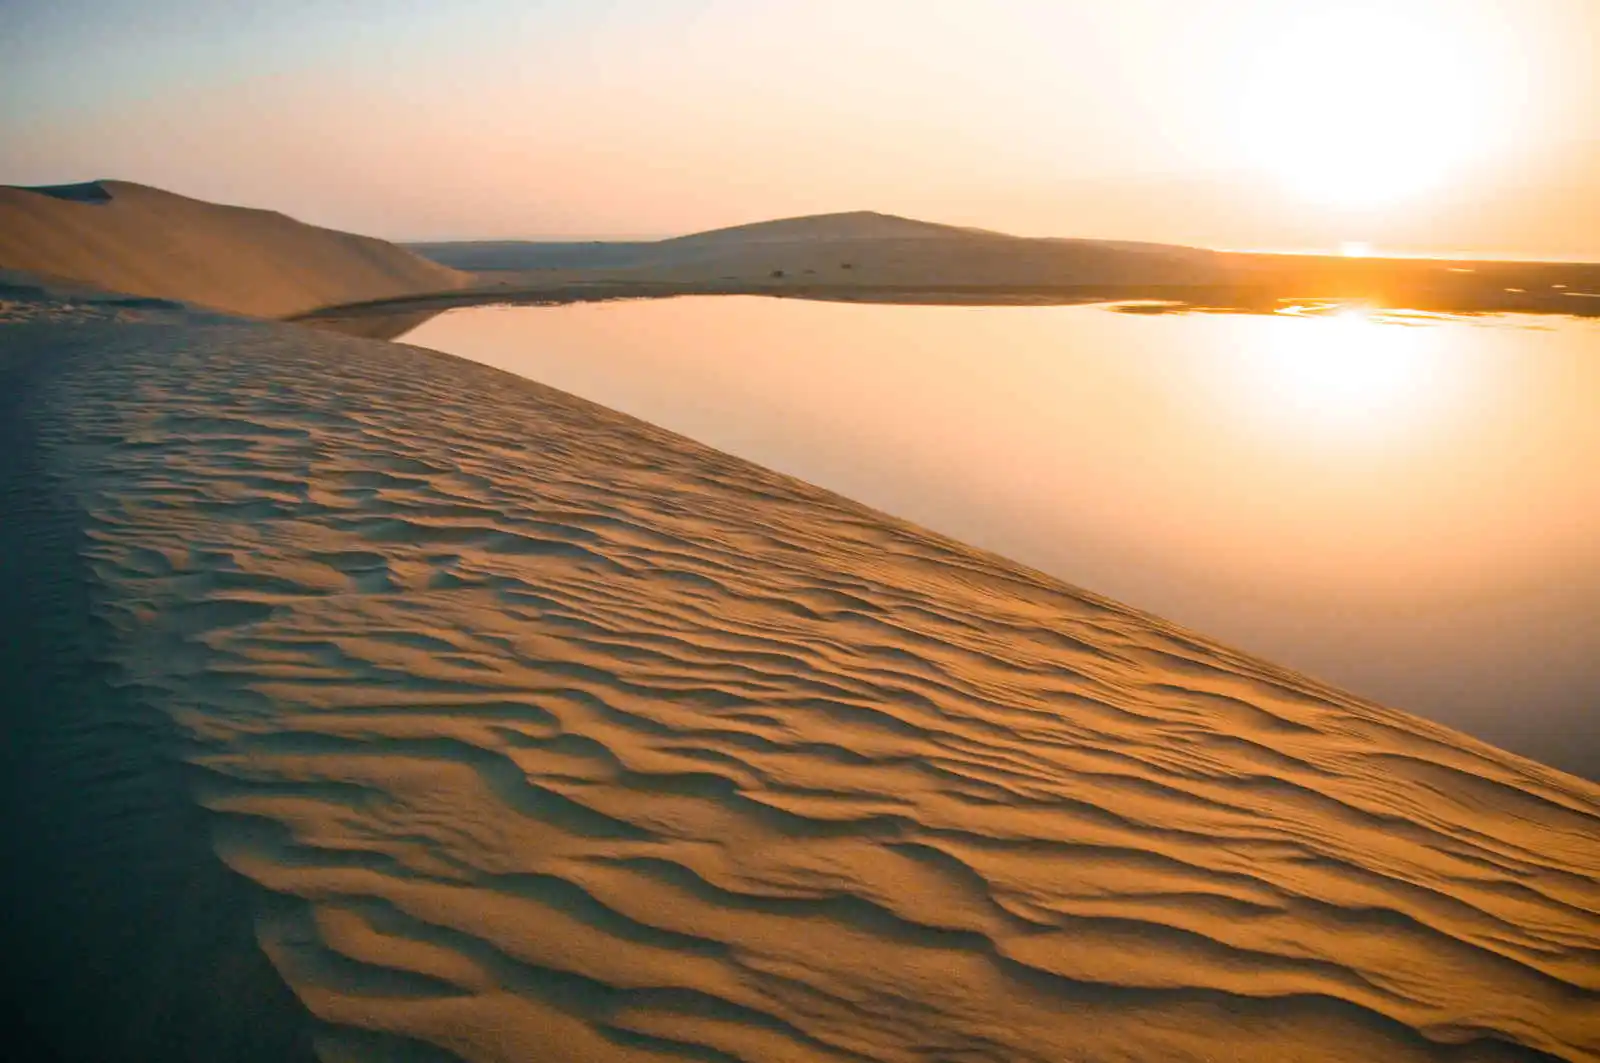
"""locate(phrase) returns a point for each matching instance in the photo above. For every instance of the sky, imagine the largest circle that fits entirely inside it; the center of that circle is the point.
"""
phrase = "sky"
(1412, 126)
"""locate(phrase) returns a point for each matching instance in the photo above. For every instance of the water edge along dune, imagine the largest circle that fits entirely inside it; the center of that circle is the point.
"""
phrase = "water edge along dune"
(516, 728)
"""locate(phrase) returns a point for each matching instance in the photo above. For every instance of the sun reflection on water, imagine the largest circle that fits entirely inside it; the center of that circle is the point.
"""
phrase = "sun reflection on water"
(1346, 369)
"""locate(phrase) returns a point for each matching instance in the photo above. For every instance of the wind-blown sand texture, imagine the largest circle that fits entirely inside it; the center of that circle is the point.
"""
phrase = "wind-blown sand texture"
(538, 733)
(126, 237)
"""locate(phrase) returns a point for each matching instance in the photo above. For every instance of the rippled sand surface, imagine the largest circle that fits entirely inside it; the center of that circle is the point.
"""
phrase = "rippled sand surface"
(544, 734)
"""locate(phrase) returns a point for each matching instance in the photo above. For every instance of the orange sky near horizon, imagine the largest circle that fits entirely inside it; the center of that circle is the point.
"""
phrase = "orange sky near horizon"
(1450, 126)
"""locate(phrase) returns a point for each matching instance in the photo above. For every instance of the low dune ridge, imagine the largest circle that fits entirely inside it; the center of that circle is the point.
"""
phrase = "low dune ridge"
(126, 237)
(845, 225)
(537, 732)
(851, 250)
(864, 256)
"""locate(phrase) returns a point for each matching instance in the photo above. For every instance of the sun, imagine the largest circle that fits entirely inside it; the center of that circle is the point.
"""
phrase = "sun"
(1366, 105)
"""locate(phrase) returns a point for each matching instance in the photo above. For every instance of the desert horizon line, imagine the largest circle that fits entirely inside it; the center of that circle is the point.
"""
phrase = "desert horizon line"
(109, 233)
(1373, 249)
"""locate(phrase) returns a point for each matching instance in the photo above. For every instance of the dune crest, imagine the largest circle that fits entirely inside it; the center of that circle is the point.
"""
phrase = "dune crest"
(851, 251)
(126, 237)
(552, 735)
(846, 225)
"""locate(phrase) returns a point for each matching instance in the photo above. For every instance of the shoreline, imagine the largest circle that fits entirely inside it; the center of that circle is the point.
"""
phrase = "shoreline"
(1391, 285)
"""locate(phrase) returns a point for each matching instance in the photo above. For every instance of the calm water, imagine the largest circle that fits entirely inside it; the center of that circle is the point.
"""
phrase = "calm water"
(1407, 507)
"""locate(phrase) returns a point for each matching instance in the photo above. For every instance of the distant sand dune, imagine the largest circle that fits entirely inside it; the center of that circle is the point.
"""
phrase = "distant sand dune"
(847, 225)
(126, 237)
(853, 250)
(123, 237)
(867, 256)
(549, 735)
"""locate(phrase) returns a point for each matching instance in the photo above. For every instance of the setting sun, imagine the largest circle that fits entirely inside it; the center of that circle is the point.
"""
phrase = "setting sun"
(1361, 107)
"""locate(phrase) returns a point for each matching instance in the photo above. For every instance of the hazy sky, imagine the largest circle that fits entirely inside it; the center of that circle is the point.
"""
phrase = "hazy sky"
(1469, 125)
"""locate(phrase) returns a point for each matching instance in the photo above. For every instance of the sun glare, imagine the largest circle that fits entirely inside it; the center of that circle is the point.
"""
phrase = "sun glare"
(1343, 372)
(1362, 106)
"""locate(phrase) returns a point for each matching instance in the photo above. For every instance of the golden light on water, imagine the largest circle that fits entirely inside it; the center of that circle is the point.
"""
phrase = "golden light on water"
(1343, 371)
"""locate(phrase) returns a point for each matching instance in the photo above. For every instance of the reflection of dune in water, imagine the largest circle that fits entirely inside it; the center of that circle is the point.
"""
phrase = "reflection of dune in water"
(552, 735)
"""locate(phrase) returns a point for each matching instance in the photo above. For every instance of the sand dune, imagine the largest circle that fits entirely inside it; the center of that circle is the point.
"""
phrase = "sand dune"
(855, 249)
(864, 256)
(536, 732)
(126, 237)
(848, 225)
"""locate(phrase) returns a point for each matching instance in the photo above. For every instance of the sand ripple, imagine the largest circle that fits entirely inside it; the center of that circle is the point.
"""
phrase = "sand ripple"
(556, 736)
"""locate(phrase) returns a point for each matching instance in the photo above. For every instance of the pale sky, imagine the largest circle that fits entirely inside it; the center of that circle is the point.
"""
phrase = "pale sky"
(1413, 125)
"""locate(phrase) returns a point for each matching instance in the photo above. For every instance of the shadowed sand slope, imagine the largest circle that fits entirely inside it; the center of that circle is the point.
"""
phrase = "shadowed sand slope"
(130, 238)
(548, 735)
